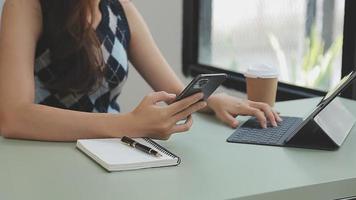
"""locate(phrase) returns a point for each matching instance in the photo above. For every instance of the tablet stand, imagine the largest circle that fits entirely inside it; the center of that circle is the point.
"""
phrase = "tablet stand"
(327, 130)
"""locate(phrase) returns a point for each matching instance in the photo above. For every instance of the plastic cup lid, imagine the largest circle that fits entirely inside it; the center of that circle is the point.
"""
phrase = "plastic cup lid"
(262, 71)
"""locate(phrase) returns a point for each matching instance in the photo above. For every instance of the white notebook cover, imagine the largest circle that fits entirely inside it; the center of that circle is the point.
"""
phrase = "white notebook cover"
(114, 155)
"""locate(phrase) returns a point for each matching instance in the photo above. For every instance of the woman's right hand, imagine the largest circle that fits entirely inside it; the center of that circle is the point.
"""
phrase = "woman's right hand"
(160, 122)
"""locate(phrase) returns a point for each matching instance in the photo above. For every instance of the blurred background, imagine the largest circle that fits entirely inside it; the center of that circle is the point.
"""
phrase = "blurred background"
(303, 38)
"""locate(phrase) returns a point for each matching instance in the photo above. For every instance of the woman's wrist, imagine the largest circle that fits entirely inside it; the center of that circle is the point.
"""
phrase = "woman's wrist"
(118, 125)
(210, 101)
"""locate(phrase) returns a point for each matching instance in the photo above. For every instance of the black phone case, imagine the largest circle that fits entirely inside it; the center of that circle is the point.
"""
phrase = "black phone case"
(206, 83)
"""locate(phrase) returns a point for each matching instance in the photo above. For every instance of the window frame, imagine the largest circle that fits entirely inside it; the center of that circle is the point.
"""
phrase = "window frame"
(285, 91)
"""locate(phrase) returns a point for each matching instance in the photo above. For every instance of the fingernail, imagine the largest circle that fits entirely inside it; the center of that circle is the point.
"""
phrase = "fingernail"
(264, 125)
(235, 124)
(203, 104)
(274, 124)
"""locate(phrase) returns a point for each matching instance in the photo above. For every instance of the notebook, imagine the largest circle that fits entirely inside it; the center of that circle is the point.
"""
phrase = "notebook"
(114, 155)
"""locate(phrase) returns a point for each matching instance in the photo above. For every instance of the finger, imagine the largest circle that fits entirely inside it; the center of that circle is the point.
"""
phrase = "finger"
(188, 111)
(183, 127)
(276, 115)
(184, 103)
(257, 113)
(260, 117)
(267, 111)
(156, 97)
(228, 119)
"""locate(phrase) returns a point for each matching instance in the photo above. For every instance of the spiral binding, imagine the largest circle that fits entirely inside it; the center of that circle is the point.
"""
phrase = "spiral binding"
(162, 149)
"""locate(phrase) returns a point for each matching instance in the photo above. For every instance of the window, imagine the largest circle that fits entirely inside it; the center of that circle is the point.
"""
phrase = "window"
(311, 42)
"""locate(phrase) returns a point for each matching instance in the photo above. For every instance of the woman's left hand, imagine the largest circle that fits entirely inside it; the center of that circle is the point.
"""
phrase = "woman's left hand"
(227, 108)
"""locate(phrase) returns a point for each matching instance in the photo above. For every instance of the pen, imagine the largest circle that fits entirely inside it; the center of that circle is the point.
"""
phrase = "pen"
(139, 146)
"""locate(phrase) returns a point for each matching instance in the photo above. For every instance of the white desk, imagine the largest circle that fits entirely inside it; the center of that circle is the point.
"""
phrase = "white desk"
(211, 168)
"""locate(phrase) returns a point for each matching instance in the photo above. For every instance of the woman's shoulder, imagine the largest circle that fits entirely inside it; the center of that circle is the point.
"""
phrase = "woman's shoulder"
(125, 5)
(120, 3)
(119, 7)
(124, 1)
(27, 7)
(21, 4)
(25, 12)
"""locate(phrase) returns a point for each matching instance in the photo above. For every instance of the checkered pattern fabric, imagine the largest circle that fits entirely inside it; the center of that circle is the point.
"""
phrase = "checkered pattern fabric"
(114, 34)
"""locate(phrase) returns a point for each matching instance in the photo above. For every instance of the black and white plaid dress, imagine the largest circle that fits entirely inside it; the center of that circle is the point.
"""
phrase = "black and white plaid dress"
(114, 34)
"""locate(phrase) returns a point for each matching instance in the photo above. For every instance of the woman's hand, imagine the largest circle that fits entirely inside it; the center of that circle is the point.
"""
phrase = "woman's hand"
(227, 108)
(159, 122)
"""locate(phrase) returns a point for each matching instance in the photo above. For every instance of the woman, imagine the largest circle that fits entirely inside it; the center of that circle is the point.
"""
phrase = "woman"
(63, 64)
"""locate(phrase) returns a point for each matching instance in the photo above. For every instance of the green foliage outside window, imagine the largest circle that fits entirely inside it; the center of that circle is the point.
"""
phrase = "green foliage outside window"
(316, 68)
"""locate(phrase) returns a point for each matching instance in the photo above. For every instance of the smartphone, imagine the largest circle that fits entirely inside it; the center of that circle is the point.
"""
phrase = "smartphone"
(205, 83)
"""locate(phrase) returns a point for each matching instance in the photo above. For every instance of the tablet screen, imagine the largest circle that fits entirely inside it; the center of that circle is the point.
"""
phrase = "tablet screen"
(339, 87)
(326, 100)
(343, 80)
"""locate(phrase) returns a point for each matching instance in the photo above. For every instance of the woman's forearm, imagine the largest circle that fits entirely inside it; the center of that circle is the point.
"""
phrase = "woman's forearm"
(38, 122)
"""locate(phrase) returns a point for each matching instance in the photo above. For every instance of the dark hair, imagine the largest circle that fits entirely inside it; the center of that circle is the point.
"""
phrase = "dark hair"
(76, 57)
